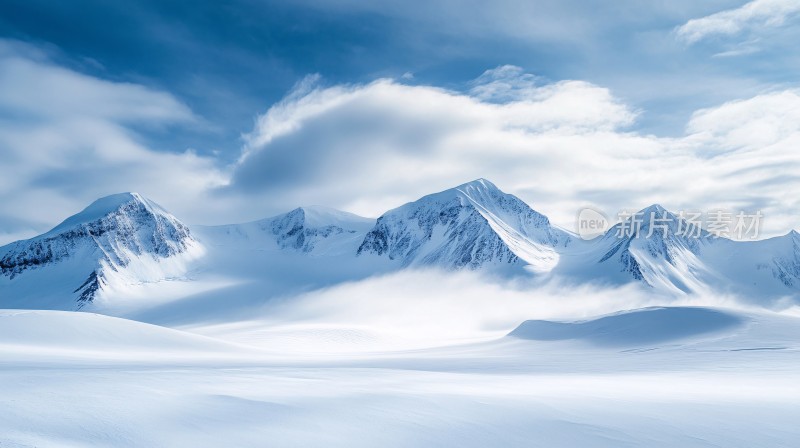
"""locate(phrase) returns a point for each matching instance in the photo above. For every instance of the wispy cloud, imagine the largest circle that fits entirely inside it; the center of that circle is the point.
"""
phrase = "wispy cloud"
(412, 304)
(505, 83)
(740, 49)
(754, 15)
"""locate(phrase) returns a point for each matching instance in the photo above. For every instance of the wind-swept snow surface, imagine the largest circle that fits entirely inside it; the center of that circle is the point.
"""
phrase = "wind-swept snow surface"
(111, 382)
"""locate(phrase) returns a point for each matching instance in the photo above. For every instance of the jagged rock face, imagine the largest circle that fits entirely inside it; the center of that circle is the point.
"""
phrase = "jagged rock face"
(627, 261)
(21, 256)
(460, 228)
(786, 268)
(294, 232)
(628, 243)
(105, 238)
(88, 289)
(514, 212)
(133, 228)
(467, 239)
(658, 245)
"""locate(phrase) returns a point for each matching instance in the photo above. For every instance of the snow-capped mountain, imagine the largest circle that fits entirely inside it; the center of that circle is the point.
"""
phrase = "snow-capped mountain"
(766, 268)
(785, 261)
(313, 230)
(122, 247)
(664, 251)
(116, 240)
(657, 247)
(474, 225)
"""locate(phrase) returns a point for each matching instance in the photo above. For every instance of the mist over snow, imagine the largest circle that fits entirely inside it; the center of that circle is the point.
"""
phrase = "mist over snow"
(432, 307)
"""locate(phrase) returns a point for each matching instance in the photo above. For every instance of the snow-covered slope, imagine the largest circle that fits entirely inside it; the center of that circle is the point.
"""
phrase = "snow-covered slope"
(117, 240)
(474, 225)
(661, 251)
(668, 256)
(767, 268)
(314, 230)
(247, 265)
(68, 334)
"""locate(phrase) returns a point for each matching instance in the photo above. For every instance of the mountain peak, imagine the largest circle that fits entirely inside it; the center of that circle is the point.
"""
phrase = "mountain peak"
(103, 207)
(464, 192)
(470, 225)
(653, 236)
(101, 242)
(304, 228)
(478, 183)
(655, 222)
(654, 208)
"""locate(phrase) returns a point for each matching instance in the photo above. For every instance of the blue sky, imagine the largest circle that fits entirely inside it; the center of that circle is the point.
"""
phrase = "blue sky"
(235, 110)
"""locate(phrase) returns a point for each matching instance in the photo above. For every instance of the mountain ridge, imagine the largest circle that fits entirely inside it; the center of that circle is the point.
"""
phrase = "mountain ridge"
(126, 239)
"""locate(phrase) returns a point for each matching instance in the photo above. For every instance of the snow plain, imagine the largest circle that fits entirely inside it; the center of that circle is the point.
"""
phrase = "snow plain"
(337, 367)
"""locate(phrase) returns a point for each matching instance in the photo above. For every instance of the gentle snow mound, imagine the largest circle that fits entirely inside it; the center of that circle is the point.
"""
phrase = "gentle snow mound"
(647, 325)
(95, 332)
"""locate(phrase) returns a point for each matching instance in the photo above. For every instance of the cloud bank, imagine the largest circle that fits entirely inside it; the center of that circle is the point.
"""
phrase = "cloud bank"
(414, 309)
(560, 146)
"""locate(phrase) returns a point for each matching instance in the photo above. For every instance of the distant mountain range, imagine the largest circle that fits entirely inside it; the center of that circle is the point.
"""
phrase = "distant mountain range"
(125, 242)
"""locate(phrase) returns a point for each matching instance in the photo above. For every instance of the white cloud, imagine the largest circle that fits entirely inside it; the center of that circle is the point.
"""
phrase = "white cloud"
(754, 124)
(559, 146)
(66, 139)
(407, 309)
(756, 14)
(48, 91)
